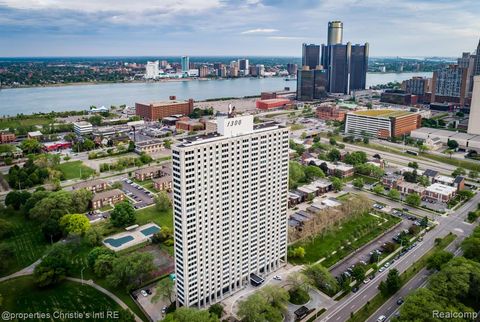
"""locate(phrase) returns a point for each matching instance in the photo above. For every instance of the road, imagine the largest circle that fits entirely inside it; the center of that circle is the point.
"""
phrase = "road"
(453, 223)
(391, 308)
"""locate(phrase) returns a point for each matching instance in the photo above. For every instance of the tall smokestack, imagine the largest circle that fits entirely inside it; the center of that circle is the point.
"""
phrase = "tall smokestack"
(335, 32)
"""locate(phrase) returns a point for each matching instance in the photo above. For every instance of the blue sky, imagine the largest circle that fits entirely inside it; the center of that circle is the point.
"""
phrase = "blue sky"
(231, 27)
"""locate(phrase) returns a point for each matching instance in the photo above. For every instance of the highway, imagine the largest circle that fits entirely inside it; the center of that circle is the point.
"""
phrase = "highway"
(454, 223)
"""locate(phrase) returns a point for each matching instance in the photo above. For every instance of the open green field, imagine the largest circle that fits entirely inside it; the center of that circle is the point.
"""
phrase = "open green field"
(20, 295)
(75, 170)
(14, 123)
(26, 242)
(364, 228)
(151, 214)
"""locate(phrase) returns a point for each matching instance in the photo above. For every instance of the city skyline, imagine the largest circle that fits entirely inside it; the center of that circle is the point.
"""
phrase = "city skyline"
(243, 28)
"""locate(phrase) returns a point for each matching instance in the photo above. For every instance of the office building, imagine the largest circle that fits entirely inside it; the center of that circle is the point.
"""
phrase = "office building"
(335, 33)
(346, 65)
(329, 112)
(158, 110)
(399, 97)
(292, 69)
(185, 64)
(203, 71)
(82, 128)
(243, 66)
(310, 55)
(474, 117)
(253, 71)
(449, 85)
(311, 84)
(381, 124)
(358, 67)
(151, 70)
(230, 196)
(260, 70)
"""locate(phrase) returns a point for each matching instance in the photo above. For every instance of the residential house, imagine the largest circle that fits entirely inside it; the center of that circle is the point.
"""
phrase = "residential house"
(94, 186)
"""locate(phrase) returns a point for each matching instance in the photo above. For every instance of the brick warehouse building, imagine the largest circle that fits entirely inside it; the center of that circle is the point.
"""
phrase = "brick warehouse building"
(158, 110)
(382, 124)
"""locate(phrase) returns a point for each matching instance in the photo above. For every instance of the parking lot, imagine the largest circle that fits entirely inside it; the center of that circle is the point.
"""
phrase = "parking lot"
(141, 196)
(154, 309)
(365, 253)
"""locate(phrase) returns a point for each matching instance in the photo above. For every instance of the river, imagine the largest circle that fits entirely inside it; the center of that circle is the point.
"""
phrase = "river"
(78, 97)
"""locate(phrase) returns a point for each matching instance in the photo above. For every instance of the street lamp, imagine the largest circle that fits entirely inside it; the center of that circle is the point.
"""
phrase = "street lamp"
(81, 274)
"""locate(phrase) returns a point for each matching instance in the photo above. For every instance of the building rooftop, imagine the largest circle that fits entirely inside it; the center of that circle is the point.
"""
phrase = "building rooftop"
(89, 183)
(163, 103)
(382, 113)
(107, 194)
(82, 123)
(148, 170)
(441, 189)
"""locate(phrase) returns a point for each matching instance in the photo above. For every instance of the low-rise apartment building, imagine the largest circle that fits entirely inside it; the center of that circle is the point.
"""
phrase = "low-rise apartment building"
(150, 146)
(163, 183)
(94, 186)
(107, 198)
(7, 137)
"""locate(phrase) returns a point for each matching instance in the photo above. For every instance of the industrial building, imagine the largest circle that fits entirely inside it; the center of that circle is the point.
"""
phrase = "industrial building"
(382, 124)
(158, 110)
(466, 141)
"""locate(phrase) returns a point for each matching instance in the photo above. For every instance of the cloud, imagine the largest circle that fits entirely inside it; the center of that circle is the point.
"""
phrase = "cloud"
(93, 6)
(259, 31)
(285, 38)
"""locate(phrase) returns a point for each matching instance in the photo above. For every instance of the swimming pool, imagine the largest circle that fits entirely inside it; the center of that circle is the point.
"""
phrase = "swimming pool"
(117, 242)
(150, 231)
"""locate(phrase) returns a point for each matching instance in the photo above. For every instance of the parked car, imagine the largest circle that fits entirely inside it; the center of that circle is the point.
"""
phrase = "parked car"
(381, 318)
(145, 294)
(400, 301)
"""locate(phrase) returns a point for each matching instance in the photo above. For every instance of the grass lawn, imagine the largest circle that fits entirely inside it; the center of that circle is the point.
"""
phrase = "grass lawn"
(366, 311)
(364, 228)
(72, 170)
(26, 241)
(9, 123)
(21, 295)
(151, 214)
(147, 184)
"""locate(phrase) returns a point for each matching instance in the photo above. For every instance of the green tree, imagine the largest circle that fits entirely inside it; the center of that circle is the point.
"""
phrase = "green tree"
(162, 201)
(438, 259)
(394, 194)
(55, 205)
(131, 270)
(30, 146)
(333, 141)
(256, 308)
(164, 234)
(358, 273)
(54, 266)
(413, 164)
(51, 230)
(164, 290)
(96, 253)
(216, 309)
(337, 184)
(93, 236)
(459, 172)
(81, 200)
(452, 144)
(392, 283)
(6, 228)
(167, 143)
(88, 144)
(186, 314)
(297, 252)
(74, 224)
(358, 183)
(122, 215)
(312, 173)
(378, 189)
(333, 155)
(356, 158)
(16, 199)
(413, 199)
(321, 278)
(471, 246)
(103, 265)
(419, 306)
(473, 174)
(295, 174)
(423, 180)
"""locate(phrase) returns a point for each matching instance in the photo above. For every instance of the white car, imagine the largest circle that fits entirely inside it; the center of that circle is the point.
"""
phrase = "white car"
(365, 281)
(381, 318)
(278, 278)
(381, 269)
(145, 294)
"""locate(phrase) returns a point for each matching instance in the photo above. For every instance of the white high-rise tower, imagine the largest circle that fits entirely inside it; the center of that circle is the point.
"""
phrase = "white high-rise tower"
(230, 194)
